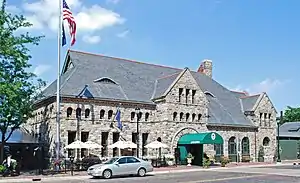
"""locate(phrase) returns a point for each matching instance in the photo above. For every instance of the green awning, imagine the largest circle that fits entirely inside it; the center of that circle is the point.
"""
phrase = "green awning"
(201, 138)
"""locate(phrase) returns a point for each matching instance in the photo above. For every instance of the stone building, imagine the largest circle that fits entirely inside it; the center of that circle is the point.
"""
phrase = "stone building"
(171, 102)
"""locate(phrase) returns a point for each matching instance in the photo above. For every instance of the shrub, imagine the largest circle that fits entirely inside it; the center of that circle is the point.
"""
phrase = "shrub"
(206, 162)
(224, 161)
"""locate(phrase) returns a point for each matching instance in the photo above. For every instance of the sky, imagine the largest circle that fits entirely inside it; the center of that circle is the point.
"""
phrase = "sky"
(254, 45)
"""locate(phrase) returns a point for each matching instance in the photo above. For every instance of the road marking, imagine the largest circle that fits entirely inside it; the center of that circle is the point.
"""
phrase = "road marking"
(222, 179)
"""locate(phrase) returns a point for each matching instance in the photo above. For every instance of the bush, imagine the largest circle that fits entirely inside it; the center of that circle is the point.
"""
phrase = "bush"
(224, 161)
(206, 162)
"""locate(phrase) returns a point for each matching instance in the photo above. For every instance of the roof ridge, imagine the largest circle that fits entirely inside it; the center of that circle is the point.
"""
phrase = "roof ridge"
(123, 59)
(163, 77)
(241, 92)
(249, 96)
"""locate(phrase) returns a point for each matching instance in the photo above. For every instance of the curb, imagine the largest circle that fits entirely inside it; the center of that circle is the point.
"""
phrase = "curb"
(80, 177)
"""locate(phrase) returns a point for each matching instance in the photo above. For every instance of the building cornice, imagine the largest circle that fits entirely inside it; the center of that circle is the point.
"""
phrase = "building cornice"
(99, 101)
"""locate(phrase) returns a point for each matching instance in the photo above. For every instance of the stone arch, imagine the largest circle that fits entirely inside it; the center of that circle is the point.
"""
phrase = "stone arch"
(179, 133)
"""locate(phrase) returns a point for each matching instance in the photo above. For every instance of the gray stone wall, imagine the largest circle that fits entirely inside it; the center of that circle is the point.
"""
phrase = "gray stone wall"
(267, 126)
(160, 122)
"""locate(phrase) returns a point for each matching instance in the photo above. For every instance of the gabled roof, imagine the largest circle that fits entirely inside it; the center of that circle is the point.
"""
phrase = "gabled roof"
(249, 102)
(290, 129)
(136, 81)
(163, 84)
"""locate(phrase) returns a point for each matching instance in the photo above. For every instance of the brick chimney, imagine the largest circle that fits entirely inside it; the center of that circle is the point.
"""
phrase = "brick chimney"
(206, 68)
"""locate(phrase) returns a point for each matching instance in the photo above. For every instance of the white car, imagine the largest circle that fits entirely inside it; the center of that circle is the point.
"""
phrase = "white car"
(120, 166)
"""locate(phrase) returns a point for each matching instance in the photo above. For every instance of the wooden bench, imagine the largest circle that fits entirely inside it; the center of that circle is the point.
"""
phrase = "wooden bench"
(245, 158)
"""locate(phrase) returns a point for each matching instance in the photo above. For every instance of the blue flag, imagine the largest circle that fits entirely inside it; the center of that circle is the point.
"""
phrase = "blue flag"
(118, 118)
(64, 40)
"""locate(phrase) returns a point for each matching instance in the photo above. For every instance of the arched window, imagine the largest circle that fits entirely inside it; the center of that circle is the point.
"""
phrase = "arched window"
(181, 116)
(266, 141)
(78, 113)
(175, 116)
(187, 116)
(193, 116)
(245, 146)
(102, 113)
(199, 117)
(146, 116)
(140, 116)
(87, 113)
(110, 113)
(132, 116)
(232, 154)
(69, 112)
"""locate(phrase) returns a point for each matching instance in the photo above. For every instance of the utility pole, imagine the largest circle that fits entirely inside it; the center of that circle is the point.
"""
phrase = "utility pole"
(278, 145)
(137, 132)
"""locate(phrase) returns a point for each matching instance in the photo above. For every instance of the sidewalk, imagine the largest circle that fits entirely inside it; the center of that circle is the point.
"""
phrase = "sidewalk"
(162, 170)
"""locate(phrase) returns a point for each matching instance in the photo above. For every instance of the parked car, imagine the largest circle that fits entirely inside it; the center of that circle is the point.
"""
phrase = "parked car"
(121, 166)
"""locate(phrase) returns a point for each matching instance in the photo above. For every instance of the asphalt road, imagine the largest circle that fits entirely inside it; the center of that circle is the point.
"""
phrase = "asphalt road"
(191, 177)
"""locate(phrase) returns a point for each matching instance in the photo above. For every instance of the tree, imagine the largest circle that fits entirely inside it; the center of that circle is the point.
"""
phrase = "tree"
(291, 114)
(18, 86)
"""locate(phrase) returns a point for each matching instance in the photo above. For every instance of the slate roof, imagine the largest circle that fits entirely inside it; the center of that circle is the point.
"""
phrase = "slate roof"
(290, 129)
(135, 81)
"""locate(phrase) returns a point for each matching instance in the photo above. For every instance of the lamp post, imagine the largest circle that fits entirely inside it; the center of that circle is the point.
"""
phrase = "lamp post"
(278, 146)
(137, 111)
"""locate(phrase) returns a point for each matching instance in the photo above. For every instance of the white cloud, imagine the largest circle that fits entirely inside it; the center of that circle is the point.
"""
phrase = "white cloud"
(97, 18)
(91, 39)
(43, 14)
(41, 69)
(123, 34)
(113, 1)
(268, 85)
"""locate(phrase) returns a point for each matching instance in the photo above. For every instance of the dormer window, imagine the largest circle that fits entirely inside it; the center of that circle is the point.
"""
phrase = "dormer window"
(105, 80)
(209, 94)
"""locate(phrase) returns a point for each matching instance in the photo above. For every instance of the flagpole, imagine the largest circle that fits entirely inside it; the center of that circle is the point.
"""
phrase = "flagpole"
(58, 81)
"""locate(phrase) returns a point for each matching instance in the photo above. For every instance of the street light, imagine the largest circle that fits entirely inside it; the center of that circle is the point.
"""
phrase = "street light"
(137, 111)
(278, 146)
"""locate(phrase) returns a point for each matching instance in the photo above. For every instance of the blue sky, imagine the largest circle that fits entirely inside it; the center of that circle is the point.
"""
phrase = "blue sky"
(254, 44)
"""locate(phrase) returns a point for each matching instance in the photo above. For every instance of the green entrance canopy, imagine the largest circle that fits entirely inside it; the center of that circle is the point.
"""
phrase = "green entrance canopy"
(201, 138)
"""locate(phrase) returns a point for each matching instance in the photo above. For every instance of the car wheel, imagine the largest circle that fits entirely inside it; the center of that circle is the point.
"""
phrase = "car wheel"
(107, 174)
(142, 172)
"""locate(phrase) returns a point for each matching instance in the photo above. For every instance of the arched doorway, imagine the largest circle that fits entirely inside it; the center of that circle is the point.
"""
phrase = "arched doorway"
(232, 154)
(180, 133)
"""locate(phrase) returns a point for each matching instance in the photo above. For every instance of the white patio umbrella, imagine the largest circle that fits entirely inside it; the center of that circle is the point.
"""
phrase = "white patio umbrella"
(93, 145)
(77, 145)
(156, 145)
(123, 145)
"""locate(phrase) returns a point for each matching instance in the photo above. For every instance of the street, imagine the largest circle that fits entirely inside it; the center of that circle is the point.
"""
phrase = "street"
(266, 175)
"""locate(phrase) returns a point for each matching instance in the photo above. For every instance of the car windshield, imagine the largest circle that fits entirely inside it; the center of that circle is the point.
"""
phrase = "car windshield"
(111, 161)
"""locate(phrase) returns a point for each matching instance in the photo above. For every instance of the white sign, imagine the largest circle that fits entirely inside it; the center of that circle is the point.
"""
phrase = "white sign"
(213, 136)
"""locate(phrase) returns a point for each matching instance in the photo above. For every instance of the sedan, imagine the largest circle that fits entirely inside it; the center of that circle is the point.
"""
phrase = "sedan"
(121, 166)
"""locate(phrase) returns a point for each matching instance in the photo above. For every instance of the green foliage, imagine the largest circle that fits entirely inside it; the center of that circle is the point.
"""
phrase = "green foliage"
(206, 162)
(2, 168)
(18, 86)
(291, 114)
(189, 156)
(224, 161)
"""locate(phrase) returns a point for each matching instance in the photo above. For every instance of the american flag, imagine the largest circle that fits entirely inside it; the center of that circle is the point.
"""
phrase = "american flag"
(67, 15)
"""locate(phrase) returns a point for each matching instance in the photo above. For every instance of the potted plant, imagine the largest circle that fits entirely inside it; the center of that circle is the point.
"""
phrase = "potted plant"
(224, 161)
(169, 159)
(189, 159)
